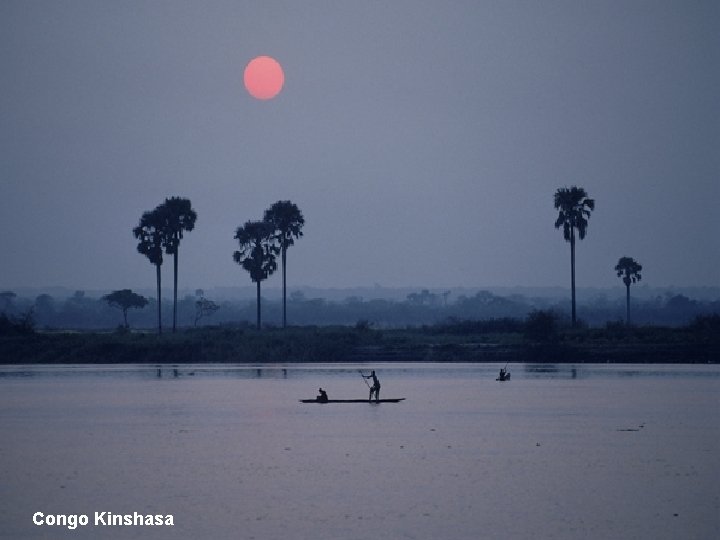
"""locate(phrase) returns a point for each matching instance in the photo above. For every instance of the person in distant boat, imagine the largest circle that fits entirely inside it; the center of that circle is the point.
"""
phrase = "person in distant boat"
(323, 397)
(375, 388)
(503, 373)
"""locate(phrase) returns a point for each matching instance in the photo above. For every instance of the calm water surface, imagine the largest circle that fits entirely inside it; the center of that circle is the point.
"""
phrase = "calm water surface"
(585, 451)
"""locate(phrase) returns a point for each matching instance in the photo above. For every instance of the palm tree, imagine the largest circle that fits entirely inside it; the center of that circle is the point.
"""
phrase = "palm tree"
(150, 233)
(179, 217)
(257, 253)
(629, 269)
(574, 208)
(288, 222)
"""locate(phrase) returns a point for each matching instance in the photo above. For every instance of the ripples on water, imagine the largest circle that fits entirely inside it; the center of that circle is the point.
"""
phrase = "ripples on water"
(560, 451)
(295, 371)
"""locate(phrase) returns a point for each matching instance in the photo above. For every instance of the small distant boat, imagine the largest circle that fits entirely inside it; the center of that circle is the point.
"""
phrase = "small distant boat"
(394, 400)
(503, 377)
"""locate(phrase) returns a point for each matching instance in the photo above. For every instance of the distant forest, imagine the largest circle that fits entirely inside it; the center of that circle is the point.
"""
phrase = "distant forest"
(83, 311)
(160, 231)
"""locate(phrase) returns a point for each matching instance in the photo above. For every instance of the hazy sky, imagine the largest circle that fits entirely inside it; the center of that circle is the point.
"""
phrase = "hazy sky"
(423, 141)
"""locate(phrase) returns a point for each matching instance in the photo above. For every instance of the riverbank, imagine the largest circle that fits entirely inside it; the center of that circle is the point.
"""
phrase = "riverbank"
(447, 343)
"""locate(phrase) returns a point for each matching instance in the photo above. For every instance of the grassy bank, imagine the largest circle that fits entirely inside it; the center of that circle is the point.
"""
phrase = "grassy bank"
(461, 342)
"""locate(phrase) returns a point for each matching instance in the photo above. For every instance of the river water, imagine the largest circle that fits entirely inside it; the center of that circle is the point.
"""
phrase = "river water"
(585, 451)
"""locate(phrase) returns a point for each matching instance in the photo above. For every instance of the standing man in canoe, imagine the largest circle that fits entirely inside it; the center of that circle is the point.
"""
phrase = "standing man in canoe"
(375, 388)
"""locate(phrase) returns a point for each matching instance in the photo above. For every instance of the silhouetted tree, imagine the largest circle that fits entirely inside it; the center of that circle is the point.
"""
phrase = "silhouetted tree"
(78, 296)
(574, 208)
(150, 233)
(445, 297)
(629, 270)
(125, 299)
(681, 307)
(257, 252)
(414, 299)
(45, 309)
(288, 222)
(203, 306)
(179, 217)
(77, 301)
(24, 324)
(7, 298)
(75, 309)
(421, 298)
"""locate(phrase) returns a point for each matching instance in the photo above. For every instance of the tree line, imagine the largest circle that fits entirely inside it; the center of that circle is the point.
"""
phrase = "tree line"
(260, 242)
(81, 310)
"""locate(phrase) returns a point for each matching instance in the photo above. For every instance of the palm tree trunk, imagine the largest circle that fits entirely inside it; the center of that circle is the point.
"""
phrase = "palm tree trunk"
(284, 260)
(627, 304)
(125, 317)
(175, 272)
(572, 273)
(157, 266)
(258, 304)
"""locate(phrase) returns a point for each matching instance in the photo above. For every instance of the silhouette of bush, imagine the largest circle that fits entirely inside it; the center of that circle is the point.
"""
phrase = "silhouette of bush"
(541, 327)
(457, 327)
(17, 326)
(706, 328)
(363, 325)
(706, 323)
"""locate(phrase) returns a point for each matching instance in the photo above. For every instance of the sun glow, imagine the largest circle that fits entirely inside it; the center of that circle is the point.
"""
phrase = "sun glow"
(264, 77)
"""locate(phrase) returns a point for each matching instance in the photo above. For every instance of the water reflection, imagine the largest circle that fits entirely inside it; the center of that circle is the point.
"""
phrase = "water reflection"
(194, 443)
(541, 368)
(552, 370)
(389, 370)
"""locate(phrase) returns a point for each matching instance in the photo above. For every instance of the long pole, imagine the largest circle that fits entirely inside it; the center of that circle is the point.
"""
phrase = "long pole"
(572, 273)
(364, 380)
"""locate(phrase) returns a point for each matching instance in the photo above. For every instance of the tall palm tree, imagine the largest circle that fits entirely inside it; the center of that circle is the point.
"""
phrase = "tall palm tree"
(257, 253)
(629, 269)
(179, 217)
(574, 208)
(150, 233)
(288, 222)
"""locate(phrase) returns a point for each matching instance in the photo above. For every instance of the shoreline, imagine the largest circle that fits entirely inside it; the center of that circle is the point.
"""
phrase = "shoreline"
(220, 345)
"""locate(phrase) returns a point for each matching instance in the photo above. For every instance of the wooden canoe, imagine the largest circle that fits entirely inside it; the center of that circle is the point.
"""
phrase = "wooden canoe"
(395, 400)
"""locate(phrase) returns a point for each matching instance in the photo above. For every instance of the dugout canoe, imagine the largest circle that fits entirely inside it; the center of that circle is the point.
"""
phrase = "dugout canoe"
(394, 400)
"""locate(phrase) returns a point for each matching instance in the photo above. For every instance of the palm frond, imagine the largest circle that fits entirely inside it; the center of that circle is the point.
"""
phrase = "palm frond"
(258, 248)
(574, 210)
